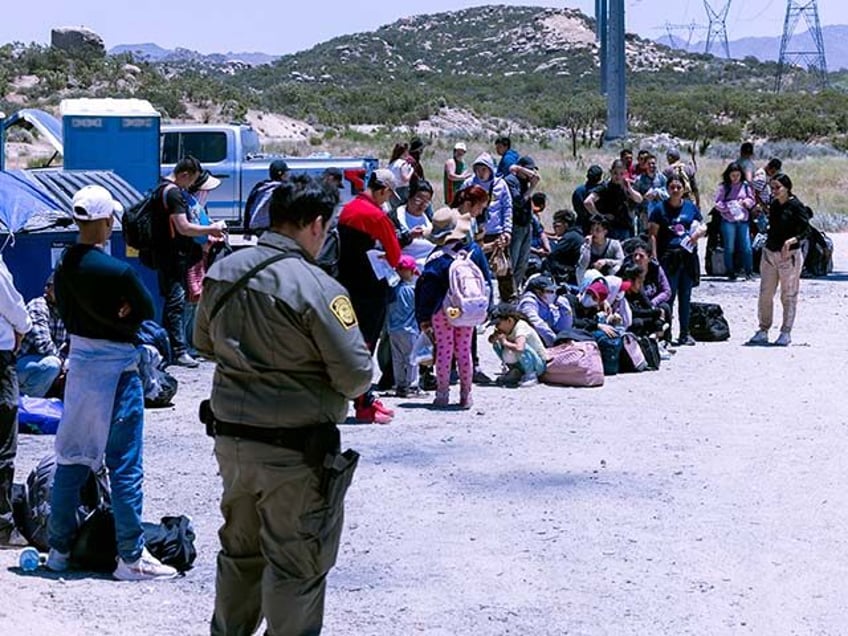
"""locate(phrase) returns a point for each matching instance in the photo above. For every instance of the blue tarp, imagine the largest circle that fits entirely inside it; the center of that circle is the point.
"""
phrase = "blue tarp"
(20, 200)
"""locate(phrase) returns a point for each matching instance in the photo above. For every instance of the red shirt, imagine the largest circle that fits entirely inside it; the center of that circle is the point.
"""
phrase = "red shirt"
(361, 213)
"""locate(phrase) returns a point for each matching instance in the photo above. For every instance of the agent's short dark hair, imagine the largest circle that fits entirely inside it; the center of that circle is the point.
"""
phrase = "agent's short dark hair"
(503, 140)
(775, 164)
(747, 148)
(187, 164)
(298, 201)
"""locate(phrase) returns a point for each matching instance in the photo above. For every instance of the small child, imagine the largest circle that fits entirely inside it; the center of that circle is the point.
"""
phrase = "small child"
(518, 346)
(403, 330)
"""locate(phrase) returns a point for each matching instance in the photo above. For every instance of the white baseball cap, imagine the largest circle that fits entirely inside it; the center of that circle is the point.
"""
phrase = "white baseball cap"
(460, 145)
(94, 202)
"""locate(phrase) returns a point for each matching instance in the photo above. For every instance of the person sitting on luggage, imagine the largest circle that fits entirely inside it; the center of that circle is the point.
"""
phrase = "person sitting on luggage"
(601, 305)
(548, 312)
(654, 283)
(41, 360)
(518, 346)
(647, 320)
(598, 251)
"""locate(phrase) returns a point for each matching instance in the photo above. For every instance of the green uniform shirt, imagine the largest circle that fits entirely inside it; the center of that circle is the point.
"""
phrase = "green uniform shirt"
(288, 348)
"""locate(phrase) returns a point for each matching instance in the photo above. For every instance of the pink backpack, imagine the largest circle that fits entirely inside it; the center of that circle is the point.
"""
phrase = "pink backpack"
(574, 364)
(467, 301)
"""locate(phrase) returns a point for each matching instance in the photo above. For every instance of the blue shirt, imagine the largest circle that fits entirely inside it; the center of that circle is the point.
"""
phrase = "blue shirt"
(401, 311)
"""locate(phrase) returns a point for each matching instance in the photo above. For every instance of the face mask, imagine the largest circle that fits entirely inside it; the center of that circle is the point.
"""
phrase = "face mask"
(588, 300)
(201, 196)
(550, 297)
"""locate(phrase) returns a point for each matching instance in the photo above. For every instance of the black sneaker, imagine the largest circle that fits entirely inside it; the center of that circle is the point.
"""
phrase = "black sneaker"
(511, 379)
(686, 341)
(427, 382)
(481, 378)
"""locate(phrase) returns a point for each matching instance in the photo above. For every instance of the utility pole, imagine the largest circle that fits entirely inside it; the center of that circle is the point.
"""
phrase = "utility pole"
(813, 60)
(617, 73)
(717, 30)
(601, 16)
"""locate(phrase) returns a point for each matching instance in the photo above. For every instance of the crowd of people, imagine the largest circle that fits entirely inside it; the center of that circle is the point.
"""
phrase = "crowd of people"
(298, 318)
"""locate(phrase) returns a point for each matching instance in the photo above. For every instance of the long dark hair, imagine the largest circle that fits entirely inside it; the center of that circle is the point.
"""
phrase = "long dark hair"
(733, 166)
(398, 152)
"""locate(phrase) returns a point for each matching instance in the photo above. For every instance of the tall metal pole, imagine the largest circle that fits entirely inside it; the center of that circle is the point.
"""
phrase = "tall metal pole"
(601, 20)
(718, 27)
(617, 78)
(2, 141)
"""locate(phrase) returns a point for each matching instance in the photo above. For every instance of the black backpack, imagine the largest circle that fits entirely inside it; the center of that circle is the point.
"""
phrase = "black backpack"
(34, 511)
(328, 257)
(139, 224)
(819, 259)
(707, 323)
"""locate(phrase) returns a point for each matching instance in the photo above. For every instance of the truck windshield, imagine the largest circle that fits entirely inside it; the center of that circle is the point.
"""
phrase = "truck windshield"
(250, 142)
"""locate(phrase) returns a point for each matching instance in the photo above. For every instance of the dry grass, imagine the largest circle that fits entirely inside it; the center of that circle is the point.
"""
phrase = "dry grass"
(821, 182)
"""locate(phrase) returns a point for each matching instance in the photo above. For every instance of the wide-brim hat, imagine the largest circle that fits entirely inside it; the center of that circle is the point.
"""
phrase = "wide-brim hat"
(448, 224)
(205, 182)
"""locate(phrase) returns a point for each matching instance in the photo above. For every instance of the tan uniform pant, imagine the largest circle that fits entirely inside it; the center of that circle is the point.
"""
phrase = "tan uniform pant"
(278, 541)
(774, 270)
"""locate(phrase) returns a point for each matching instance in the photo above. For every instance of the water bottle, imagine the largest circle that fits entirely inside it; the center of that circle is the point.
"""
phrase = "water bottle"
(29, 559)
(602, 318)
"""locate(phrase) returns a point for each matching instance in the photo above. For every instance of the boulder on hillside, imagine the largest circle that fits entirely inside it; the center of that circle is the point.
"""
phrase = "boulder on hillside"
(77, 41)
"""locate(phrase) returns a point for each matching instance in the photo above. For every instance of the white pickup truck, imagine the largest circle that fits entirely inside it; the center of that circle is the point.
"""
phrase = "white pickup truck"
(231, 152)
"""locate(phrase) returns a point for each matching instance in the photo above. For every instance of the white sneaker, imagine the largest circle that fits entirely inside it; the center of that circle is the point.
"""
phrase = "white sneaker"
(58, 561)
(783, 340)
(185, 360)
(759, 339)
(146, 568)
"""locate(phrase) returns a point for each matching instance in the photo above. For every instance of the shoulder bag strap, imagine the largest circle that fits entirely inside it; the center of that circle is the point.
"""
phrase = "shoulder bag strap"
(245, 278)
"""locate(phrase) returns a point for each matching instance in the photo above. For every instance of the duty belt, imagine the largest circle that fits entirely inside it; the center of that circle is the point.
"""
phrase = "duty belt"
(313, 441)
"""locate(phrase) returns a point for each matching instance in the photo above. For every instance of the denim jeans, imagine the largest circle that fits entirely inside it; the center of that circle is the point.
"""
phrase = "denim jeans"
(519, 253)
(737, 238)
(172, 289)
(681, 283)
(36, 373)
(123, 459)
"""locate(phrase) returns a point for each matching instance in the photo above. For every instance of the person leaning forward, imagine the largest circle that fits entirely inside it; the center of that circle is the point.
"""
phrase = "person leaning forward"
(289, 356)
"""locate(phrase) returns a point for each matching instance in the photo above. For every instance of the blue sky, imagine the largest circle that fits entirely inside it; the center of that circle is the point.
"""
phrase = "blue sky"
(286, 26)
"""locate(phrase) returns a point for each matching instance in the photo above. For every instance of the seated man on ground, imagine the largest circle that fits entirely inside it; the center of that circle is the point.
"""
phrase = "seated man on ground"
(561, 263)
(518, 346)
(43, 351)
(545, 310)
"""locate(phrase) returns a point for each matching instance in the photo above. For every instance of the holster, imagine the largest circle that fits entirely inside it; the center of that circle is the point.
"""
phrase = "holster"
(337, 476)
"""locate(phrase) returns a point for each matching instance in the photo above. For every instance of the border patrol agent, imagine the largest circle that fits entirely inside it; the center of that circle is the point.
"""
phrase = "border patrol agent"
(289, 357)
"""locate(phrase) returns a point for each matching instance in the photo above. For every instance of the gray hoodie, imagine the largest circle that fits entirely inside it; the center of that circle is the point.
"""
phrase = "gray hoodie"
(499, 213)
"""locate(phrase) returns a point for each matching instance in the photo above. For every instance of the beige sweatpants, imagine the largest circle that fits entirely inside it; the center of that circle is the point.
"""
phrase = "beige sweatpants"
(774, 270)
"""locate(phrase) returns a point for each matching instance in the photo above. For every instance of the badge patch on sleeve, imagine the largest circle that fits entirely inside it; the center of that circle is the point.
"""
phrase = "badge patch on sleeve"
(343, 311)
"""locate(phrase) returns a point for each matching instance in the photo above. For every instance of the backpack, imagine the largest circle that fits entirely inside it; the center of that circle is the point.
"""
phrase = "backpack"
(328, 257)
(467, 301)
(35, 511)
(257, 214)
(574, 364)
(707, 323)
(819, 258)
(138, 224)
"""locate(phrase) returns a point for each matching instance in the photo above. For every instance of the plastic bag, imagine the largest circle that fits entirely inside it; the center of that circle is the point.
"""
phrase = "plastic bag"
(422, 352)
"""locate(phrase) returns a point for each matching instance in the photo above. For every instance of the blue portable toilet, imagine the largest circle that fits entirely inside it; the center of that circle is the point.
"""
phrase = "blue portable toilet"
(112, 134)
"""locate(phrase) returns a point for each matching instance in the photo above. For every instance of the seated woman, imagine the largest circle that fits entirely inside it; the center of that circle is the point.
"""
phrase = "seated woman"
(646, 319)
(654, 284)
(546, 311)
(518, 346)
(598, 251)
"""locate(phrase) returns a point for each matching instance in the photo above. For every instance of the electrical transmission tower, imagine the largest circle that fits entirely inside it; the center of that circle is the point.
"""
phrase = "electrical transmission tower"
(717, 30)
(690, 28)
(811, 59)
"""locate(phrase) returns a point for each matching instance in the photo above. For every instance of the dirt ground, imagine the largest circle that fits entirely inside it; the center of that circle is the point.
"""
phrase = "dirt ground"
(706, 498)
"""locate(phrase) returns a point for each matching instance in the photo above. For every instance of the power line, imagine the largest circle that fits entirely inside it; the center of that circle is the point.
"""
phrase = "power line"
(717, 30)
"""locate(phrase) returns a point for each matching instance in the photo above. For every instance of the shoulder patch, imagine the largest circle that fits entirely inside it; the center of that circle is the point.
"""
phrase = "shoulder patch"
(343, 311)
